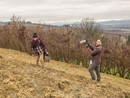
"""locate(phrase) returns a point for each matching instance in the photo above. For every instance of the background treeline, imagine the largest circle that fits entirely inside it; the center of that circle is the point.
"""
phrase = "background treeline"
(63, 43)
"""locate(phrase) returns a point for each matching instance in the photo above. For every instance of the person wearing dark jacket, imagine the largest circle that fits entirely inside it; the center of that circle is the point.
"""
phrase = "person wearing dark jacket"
(96, 59)
(38, 48)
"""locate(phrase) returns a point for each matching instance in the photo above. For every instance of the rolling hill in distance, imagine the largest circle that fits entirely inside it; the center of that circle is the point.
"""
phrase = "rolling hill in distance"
(118, 27)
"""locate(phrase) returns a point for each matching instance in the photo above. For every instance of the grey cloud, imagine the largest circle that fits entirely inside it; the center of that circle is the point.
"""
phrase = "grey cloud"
(65, 10)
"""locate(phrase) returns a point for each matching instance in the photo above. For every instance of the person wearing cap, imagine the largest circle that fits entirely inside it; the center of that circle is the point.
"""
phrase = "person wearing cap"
(96, 59)
(38, 48)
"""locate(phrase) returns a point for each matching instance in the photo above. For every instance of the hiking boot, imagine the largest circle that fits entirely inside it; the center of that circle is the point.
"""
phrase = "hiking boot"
(98, 81)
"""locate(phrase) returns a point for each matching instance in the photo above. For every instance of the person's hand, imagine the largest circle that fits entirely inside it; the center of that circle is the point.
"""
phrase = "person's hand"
(47, 53)
(88, 48)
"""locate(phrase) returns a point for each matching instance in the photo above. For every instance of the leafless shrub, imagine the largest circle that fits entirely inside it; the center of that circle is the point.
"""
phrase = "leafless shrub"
(63, 43)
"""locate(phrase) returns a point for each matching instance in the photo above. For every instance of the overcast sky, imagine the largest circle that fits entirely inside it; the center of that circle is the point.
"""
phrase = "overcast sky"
(50, 11)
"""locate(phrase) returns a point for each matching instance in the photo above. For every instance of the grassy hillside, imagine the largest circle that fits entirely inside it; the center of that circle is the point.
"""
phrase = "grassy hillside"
(21, 78)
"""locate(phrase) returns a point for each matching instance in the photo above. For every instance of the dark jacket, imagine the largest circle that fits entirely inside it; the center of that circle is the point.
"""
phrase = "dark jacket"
(96, 54)
(37, 46)
(37, 43)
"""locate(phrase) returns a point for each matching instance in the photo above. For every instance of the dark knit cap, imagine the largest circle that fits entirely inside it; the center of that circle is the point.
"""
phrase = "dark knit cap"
(34, 35)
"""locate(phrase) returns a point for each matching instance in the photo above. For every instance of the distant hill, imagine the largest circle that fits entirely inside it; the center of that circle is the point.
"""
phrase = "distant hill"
(62, 23)
(118, 27)
(115, 22)
(111, 22)
(4, 23)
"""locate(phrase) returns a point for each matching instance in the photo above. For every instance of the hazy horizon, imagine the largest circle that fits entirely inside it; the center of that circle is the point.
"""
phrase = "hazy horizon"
(50, 11)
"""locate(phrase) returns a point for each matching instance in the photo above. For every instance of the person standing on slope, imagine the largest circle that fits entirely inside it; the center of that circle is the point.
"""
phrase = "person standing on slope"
(96, 59)
(38, 48)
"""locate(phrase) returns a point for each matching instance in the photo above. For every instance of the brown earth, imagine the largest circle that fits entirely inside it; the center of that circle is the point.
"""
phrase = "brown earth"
(21, 78)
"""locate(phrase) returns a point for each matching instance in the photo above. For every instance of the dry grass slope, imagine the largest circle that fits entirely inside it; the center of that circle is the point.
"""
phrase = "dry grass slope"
(21, 78)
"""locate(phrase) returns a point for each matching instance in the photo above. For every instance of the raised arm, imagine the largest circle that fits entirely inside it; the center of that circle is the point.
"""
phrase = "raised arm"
(95, 51)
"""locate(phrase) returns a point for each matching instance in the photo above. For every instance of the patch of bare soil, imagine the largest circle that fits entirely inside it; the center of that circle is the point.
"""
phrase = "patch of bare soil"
(21, 78)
